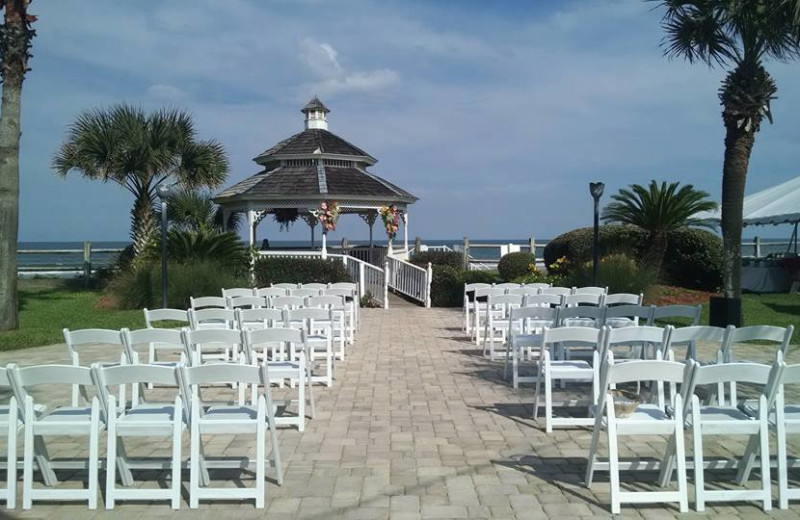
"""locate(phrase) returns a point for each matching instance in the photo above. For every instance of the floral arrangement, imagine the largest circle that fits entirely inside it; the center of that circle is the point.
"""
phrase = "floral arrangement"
(285, 217)
(559, 267)
(391, 220)
(327, 214)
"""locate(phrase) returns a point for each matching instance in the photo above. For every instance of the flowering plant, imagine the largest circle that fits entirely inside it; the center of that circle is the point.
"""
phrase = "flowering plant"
(327, 214)
(391, 220)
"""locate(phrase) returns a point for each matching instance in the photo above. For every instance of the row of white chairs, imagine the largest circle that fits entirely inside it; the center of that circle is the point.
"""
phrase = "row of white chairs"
(502, 317)
(291, 353)
(687, 409)
(187, 410)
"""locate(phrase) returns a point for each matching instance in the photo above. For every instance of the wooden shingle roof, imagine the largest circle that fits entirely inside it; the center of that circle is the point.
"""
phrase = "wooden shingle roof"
(314, 141)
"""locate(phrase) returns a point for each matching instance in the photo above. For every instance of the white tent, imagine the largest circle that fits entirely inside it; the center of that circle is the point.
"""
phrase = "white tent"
(777, 205)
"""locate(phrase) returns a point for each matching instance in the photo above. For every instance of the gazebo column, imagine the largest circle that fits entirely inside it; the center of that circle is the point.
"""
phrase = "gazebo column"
(324, 243)
(311, 220)
(370, 217)
(225, 216)
(251, 226)
(405, 231)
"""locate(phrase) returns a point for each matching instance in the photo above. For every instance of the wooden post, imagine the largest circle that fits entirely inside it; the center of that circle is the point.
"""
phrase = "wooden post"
(532, 245)
(428, 280)
(466, 253)
(361, 280)
(757, 247)
(87, 263)
(417, 245)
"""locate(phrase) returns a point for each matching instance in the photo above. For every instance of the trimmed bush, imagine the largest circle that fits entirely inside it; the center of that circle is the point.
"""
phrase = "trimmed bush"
(618, 272)
(514, 265)
(693, 258)
(448, 258)
(447, 286)
(299, 270)
(141, 287)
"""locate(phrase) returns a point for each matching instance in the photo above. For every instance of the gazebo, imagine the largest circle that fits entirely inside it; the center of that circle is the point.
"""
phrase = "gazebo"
(312, 168)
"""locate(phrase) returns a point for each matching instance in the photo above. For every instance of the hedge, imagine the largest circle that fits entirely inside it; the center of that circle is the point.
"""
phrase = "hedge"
(270, 270)
(447, 286)
(514, 265)
(448, 258)
(693, 258)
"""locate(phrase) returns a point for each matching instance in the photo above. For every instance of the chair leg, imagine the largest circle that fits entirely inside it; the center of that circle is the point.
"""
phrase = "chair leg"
(94, 453)
(537, 391)
(261, 441)
(111, 462)
(593, 448)
(763, 435)
(667, 463)
(194, 460)
(748, 460)
(613, 460)
(548, 402)
(680, 450)
(783, 468)
(273, 431)
(27, 466)
(301, 400)
(697, 439)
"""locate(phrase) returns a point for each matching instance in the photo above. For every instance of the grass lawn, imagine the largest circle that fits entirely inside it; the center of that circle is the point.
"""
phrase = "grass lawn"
(49, 305)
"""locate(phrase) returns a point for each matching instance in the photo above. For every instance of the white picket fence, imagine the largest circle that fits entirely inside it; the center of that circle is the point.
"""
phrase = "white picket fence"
(397, 274)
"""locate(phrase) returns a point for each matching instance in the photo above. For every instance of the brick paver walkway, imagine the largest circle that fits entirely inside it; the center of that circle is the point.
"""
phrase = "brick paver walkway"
(418, 425)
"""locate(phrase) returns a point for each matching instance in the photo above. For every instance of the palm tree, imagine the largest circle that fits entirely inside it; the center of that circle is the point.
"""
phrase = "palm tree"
(193, 210)
(658, 210)
(140, 151)
(15, 47)
(740, 34)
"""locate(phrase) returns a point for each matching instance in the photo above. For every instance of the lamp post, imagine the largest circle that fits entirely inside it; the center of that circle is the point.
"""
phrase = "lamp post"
(163, 195)
(596, 189)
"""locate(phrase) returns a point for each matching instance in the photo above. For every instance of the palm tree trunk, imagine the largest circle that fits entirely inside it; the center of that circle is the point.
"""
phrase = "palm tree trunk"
(738, 146)
(654, 257)
(14, 51)
(143, 224)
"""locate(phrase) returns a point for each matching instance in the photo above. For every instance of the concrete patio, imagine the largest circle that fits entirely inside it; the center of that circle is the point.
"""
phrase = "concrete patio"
(418, 425)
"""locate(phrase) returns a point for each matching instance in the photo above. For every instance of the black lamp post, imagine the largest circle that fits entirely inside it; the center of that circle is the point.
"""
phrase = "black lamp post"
(596, 189)
(163, 195)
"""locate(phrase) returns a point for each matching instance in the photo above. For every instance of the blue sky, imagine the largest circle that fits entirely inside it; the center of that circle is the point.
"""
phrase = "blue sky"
(496, 114)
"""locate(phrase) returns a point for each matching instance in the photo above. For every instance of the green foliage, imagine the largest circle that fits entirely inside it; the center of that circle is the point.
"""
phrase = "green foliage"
(693, 257)
(618, 272)
(299, 270)
(447, 286)
(448, 258)
(208, 246)
(141, 287)
(193, 210)
(514, 265)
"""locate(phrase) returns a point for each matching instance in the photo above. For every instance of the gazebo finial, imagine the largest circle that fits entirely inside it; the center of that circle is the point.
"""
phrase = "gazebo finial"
(316, 114)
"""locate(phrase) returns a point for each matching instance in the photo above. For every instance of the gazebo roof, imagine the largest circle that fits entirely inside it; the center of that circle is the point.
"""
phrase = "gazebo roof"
(314, 141)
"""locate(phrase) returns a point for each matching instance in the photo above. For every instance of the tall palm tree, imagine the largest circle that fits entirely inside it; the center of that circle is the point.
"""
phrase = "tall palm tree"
(15, 47)
(140, 151)
(740, 34)
(658, 209)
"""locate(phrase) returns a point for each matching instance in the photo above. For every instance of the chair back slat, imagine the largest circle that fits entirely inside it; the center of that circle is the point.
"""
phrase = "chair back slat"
(537, 285)
(52, 375)
(623, 299)
(683, 335)
(572, 335)
(217, 373)
(269, 292)
(534, 313)
(648, 370)
(208, 301)
(276, 334)
(153, 315)
(542, 299)
(237, 292)
(582, 299)
(315, 286)
(489, 291)
(327, 302)
(92, 336)
(590, 290)
(261, 317)
(288, 302)
(304, 293)
(252, 302)
(629, 311)
(761, 333)
(691, 312)
(285, 285)
(525, 291)
(558, 291)
(131, 374)
(754, 373)
(204, 336)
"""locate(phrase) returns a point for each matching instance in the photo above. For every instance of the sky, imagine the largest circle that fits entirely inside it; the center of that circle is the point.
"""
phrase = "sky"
(496, 115)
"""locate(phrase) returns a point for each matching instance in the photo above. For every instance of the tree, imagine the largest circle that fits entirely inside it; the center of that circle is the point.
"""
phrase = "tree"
(193, 210)
(141, 151)
(658, 210)
(740, 34)
(15, 46)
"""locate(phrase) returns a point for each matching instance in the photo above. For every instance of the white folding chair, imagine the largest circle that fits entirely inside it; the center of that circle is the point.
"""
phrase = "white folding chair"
(10, 425)
(469, 299)
(247, 302)
(557, 291)
(237, 292)
(341, 311)
(285, 285)
(590, 290)
(208, 302)
(508, 285)
(305, 293)
(479, 306)
(212, 318)
(583, 299)
(645, 420)
(317, 286)
(542, 300)
(295, 368)
(688, 336)
(537, 285)
(623, 299)
(288, 302)
(526, 325)
(157, 340)
(643, 342)
(779, 337)
(162, 420)
(350, 298)
(269, 292)
(227, 419)
(726, 418)
(260, 318)
(581, 371)
(498, 311)
(212, 346)
(76, 339)
(154, 317)
(581, 316)
(626, 315)
(670, 312)
(525, 290)
(318, 325)
(56, 421)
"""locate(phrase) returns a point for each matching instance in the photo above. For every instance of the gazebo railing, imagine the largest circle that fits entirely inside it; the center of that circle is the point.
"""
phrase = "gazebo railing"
(409, 279)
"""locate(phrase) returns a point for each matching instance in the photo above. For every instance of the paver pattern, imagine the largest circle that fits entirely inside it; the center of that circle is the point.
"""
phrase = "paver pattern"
(417, 425)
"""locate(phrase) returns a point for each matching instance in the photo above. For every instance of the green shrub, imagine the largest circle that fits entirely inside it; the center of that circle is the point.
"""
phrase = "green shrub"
(693, 258)
(448, 258)
(299, 270)
(478, 277)
(208, 246)
(514, 265)
(618, 272)
(447, 286)
(141, 287)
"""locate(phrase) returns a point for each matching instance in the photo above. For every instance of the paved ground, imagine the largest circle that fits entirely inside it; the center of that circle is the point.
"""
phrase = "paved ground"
(418, 425)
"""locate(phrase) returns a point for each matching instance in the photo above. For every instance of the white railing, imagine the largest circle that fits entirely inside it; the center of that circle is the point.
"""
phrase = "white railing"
(409, 279)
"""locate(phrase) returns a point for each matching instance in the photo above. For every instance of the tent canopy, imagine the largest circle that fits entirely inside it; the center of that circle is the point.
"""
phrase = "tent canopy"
(777, 205)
